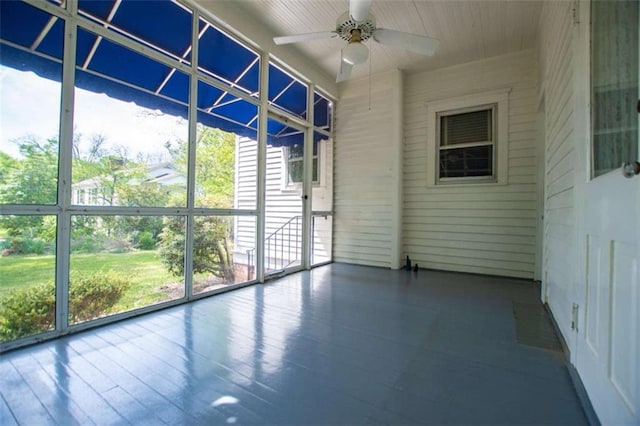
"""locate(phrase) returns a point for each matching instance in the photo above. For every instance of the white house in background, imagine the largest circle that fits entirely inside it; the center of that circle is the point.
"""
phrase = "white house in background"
(90, 192)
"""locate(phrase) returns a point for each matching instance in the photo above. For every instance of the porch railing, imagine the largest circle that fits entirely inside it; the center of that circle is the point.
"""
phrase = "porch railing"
(282, 247)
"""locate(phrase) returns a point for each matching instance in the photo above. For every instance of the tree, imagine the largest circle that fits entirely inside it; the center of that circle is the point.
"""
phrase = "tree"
(86, 162)
(7, 164)
(215, 168)
(119, 179)
(31, 179)
(115, 173)
(211, 246)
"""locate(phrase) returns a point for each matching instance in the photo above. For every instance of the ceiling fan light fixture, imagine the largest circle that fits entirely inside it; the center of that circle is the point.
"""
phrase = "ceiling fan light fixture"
(358, 24)
(355, 53)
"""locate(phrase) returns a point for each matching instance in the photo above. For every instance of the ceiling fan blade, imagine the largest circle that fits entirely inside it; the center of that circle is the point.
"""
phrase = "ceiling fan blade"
(359, 9)
(345, 70)
(304, 37)
(413, 42)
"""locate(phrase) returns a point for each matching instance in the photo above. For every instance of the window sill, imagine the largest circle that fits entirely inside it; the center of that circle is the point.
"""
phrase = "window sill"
(297, 187)
(462, 183)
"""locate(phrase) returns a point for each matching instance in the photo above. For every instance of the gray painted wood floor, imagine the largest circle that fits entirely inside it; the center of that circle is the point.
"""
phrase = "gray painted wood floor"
(341, 344)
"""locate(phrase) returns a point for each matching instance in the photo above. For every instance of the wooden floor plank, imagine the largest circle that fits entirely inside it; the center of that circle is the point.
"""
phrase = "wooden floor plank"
(6, 415)
(341, 344)
(58, 404)
(70, 386)
(25, 405)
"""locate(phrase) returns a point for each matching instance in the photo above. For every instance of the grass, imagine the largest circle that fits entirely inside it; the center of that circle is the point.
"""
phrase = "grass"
(19, 271)
(143, 268)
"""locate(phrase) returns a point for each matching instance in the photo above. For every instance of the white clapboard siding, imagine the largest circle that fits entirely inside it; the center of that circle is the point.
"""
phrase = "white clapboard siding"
(245, 197)
(479, 228)
(560, 251)
(366, 143)
(246, 177)
(280, 206)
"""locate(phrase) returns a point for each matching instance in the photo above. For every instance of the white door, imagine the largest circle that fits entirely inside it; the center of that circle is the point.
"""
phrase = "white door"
(285, 201)
(608, 341)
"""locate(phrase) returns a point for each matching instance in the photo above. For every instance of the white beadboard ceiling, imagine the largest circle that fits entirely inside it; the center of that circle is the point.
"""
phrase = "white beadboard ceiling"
(467, 30)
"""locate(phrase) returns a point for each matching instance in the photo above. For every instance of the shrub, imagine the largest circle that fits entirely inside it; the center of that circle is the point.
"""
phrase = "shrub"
(27, 311)
(34, 246)
(146, 241)
(86, 244)
(20, 245)
(30, 310)
(91, 296)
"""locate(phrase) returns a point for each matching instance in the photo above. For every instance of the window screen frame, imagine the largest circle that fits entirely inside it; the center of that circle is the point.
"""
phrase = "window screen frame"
(493, 127)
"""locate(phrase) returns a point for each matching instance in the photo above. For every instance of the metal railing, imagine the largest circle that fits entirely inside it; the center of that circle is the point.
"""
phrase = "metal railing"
(283, 247)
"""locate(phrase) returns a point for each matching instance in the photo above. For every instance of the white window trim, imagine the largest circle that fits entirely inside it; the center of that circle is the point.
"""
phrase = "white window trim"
(501, 143)
(287, 186)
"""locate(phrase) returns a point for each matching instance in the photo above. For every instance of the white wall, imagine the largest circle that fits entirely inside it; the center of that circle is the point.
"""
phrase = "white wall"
(560, 247)
(367, 171)
(479, 228)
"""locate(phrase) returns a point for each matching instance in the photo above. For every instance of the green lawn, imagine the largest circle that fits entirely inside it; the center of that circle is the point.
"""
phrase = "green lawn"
(19, 271)
(143, 268)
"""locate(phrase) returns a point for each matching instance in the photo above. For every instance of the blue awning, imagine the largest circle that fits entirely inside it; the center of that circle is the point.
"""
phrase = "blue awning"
(32, 40)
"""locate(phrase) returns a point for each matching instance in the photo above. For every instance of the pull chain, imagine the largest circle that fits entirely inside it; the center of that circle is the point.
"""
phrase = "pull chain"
(370, 54)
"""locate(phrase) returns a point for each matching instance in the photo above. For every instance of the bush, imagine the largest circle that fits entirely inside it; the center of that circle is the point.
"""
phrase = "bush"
(31, 310)
(19, 245)
(27, 311)
(146, 241)
(91, 296)
(87, 244)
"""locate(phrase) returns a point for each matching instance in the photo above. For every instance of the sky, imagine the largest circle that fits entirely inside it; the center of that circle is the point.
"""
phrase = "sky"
(30, 104)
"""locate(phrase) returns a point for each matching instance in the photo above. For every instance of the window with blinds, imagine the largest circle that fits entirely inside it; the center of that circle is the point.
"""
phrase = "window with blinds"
(466, 143)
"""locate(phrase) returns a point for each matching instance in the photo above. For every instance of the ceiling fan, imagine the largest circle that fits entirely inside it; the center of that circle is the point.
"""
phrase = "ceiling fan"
(356, 25)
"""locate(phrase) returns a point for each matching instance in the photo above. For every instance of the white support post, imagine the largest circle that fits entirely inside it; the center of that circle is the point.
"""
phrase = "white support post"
(396, 173)
(65, 152)
(263, 114)
(191, 159)
(307, 193)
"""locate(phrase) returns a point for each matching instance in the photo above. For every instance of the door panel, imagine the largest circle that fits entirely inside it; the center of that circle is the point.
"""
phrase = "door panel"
(608, 345)
(597, 294)
(624, 322)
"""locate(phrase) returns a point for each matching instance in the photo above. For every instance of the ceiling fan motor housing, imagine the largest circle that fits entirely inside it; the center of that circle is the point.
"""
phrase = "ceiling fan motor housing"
(346, 24)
